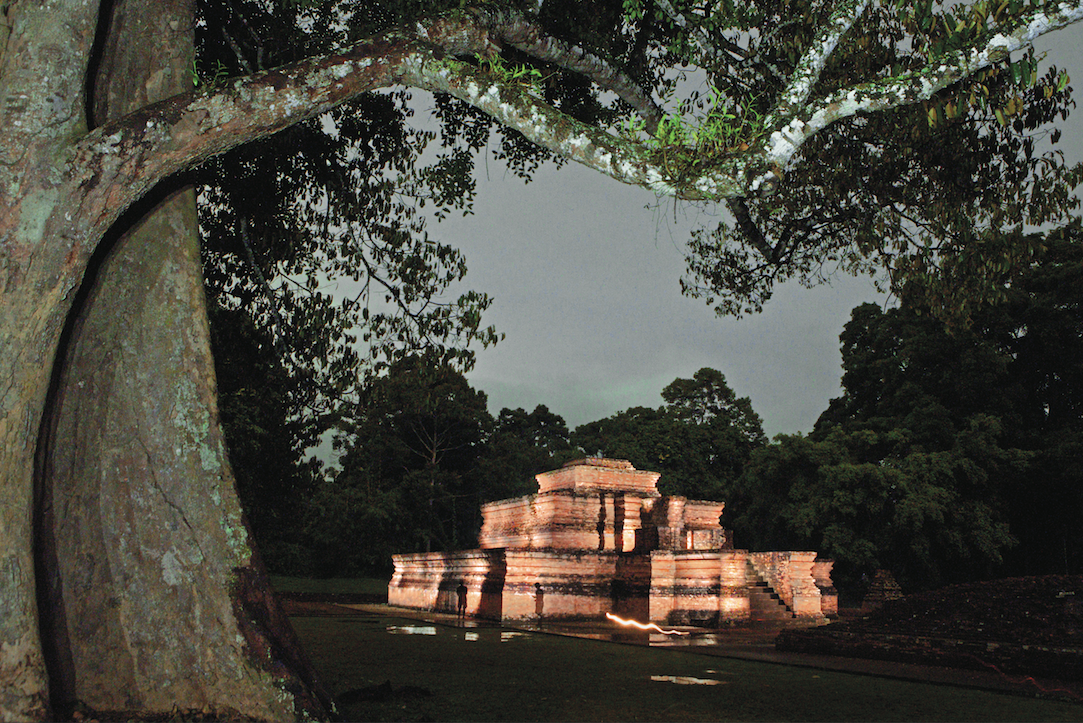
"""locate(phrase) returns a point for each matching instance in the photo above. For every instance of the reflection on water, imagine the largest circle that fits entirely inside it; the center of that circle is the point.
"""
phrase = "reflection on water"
(691, 639)
(412, 629)
(685, 680)
(474, 632)
(671, 642)
(474, 635)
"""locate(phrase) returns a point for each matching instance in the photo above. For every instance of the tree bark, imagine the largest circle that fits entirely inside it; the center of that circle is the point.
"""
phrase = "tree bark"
(140, 520)
(41, 57)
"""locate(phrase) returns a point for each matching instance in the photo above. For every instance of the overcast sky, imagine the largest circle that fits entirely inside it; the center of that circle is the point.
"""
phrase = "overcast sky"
(585, 274)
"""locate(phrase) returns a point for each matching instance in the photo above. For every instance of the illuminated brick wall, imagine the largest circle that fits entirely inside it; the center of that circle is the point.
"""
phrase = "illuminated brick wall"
(598, 537)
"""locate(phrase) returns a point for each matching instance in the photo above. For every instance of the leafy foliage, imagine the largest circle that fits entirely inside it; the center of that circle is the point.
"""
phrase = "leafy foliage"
(330, 208)
(1040, 327)
(267, 447)
(699, 439)
(520, 446)
(407, 482)
(317, 237)
(952, 455)
(934, 199)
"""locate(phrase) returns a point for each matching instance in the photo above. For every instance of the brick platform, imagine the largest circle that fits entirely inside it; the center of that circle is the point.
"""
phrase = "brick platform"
(598, 537)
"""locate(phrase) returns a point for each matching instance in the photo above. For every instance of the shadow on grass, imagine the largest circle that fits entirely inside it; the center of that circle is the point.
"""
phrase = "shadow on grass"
(391, 669)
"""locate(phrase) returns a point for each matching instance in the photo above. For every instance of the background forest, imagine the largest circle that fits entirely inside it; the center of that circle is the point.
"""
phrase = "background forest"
(952, 455)
(955, 452)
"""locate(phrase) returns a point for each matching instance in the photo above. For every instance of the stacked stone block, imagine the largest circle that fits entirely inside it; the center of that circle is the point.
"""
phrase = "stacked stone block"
(598, 537)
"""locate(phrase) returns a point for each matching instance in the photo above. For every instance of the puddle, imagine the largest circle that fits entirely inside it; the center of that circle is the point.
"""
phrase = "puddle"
(657, 640)
(412, 629)
(475, 635)
(685, 680)
(669, 641)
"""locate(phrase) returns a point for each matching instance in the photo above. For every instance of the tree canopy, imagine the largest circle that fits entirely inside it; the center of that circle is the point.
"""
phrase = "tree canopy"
(951, 455)
(700, 439)
(412, 451)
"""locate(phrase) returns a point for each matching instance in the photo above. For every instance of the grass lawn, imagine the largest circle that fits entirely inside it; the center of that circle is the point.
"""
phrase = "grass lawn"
(494, 674)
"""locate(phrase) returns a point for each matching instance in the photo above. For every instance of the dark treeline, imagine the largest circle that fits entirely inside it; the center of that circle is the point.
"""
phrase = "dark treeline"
(421, 453)
(953, 454)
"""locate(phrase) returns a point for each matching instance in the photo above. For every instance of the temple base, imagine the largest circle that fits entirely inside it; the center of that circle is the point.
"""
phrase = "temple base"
(706, 588)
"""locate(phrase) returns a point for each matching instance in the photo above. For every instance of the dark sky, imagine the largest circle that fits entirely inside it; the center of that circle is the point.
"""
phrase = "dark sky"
(585, 274)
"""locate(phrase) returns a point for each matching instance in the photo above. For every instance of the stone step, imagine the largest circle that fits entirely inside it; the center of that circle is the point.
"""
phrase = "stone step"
(752, 577)
(763, 605)
(763, 602)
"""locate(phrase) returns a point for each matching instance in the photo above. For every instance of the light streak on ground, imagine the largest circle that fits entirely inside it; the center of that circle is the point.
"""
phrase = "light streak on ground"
(642, 626)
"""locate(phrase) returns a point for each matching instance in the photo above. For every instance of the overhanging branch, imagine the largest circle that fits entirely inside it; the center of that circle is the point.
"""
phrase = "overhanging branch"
(128, 156)
(811, 65)
(916, 86)
(516, 29)
(626, 161)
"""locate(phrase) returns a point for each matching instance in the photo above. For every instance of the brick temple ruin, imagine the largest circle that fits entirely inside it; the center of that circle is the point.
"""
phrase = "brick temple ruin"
(598, 537)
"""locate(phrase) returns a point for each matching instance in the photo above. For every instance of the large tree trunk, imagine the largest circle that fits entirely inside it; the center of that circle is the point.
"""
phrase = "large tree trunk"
(36, 275)
(152, 598)
(61, 189)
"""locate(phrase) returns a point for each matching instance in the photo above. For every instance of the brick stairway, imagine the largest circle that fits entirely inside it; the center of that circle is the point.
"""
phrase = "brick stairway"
(764, 604)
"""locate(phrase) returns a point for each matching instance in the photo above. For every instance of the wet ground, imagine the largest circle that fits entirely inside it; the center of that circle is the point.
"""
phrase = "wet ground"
(754, 643)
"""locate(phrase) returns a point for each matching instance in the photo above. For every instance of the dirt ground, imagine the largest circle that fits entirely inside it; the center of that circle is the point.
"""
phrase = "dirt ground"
(1028, 626)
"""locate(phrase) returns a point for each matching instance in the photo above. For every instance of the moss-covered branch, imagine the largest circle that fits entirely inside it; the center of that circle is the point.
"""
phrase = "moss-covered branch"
(916, 86)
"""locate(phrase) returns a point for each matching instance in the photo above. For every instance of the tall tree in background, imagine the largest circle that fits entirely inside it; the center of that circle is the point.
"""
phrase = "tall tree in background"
(64, 183)
(908, 469)
(727, 428)
(952, 455)
(1040, 328)
(874, 500)
(315, 250)
(520, 446)
(408, 480)
(699, 440)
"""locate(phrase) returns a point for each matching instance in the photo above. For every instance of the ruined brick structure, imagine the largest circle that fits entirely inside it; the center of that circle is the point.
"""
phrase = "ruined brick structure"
(598, 537)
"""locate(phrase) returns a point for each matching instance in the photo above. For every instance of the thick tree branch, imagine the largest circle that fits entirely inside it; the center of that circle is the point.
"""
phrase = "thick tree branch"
(916, 86)
(519, 31)
(131, 154)
(749, 228)
(811, 65)
(626, 161)
(126, 157)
